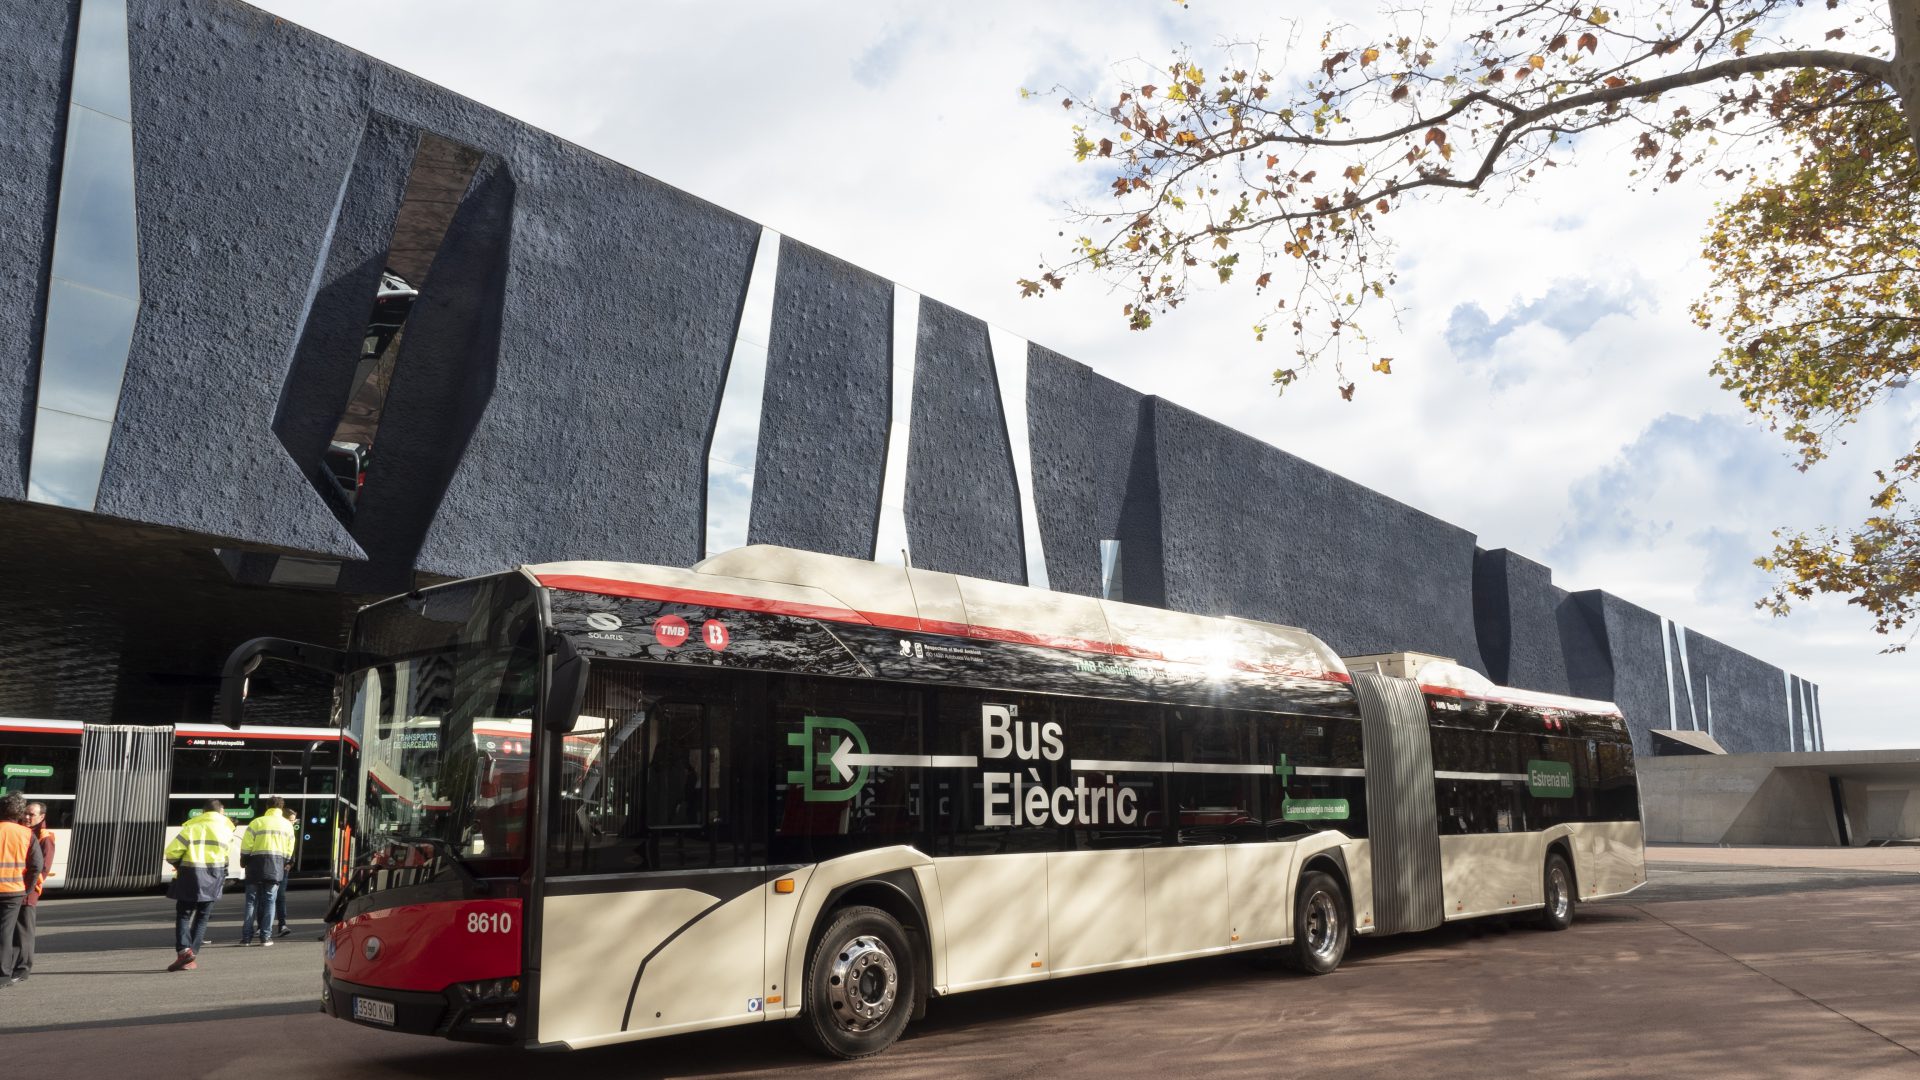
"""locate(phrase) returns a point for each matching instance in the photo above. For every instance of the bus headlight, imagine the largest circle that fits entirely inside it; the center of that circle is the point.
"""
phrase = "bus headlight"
(490, 991)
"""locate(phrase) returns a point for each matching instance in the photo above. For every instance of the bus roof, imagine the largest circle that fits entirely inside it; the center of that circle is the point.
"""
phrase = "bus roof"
(831, 588)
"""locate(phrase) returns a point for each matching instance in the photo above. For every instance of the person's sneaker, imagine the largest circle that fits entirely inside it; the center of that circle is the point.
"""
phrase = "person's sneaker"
(182, 962)
(243, 943)
(281, 930)
(268, 943)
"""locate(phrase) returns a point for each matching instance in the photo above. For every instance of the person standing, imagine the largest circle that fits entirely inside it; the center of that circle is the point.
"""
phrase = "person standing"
(36, 822)
(198, 855)
(265, 849)
(20, 867)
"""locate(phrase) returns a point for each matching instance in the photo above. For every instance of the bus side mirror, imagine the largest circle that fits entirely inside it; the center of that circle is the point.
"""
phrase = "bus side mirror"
(242, 661)
(566, 686)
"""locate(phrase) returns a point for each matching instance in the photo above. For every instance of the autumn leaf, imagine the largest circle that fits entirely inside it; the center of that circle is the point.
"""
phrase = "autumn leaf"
(1384, 365)
(1536, 62)
(1587, 42)
(1740, 40)
(1346, 391)
(1147, 90)
(1436, 135)
(1369, 56)
(1261, 281)
(1615, 82)
(1106, 147)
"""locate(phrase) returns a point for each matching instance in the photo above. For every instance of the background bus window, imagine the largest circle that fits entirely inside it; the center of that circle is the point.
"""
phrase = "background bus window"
(43, 771)
(840, 806)
(648, 776)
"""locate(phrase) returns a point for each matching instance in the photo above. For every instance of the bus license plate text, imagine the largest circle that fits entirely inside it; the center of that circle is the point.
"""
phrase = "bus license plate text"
(374, 1012)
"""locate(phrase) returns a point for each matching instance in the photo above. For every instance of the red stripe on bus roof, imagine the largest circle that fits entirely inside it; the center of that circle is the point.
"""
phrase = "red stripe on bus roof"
(642, 591)
(40, 729)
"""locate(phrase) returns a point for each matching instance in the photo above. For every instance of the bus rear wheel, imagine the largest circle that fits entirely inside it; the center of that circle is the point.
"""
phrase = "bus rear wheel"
(860, 985)
(1556, 890)
(1320, 930)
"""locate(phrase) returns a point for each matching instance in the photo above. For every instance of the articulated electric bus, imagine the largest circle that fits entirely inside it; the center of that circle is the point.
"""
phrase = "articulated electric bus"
(596, 802)
(116, 793)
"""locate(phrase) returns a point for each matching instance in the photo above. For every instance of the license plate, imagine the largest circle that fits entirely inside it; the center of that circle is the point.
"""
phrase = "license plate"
(372, 1011)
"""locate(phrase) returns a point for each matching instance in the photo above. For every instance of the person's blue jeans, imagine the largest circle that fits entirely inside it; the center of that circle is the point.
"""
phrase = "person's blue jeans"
(190, 924)
(260, 896)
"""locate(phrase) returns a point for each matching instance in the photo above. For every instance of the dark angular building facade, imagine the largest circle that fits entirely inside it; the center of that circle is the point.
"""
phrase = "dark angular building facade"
(283, 328)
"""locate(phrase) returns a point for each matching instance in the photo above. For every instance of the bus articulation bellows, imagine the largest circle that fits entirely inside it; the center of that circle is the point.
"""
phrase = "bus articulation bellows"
(595, 802)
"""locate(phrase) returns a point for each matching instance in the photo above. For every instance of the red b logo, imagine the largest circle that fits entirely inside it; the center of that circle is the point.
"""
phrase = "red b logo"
(715, 633)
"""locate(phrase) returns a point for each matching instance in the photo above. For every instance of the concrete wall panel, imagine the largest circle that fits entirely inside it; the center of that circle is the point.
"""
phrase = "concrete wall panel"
(823, 427)
(1087, 432)
(963, 503)
(243, 129)
(1749, 699)
(1639, 666)
(1251, 530)
(614, 338)
(1517, 616)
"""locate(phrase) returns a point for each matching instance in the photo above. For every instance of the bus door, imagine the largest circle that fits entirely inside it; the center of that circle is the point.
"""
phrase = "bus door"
(653, 914)
(310, 806)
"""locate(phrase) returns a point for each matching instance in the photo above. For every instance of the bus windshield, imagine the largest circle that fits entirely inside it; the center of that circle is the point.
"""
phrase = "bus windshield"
(442, 718)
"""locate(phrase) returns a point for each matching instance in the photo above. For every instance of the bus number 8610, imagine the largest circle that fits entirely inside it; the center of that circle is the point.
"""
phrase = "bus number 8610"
(489, 922)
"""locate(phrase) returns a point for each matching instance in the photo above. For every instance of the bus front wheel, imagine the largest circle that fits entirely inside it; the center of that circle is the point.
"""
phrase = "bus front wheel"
(1556, 890)
(860, 985)
(1320, 930)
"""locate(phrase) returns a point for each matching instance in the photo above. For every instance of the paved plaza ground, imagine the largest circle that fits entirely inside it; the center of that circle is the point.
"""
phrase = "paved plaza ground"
(1731, 962)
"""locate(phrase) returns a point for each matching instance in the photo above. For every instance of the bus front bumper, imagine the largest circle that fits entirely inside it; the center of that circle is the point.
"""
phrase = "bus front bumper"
(458, 1012)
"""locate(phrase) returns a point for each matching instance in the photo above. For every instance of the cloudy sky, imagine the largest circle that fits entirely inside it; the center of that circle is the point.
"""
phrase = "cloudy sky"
(1549, 391)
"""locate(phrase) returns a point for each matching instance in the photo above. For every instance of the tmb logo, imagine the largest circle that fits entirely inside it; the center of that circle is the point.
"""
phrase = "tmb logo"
(671, 631)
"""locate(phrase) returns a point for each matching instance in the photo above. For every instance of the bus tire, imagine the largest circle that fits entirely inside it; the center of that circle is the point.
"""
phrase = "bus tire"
(1556, 893)
(1320, 930)
(860, 985)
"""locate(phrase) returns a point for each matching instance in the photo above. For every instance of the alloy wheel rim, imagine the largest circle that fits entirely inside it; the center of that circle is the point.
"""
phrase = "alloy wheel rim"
(862, 984)
(1323, 925)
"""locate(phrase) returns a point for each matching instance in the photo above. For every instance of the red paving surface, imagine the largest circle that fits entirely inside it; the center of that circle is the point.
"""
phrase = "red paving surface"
(1803, 977)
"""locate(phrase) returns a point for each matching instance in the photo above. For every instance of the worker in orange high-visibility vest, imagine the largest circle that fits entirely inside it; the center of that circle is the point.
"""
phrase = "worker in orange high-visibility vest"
(20, 870)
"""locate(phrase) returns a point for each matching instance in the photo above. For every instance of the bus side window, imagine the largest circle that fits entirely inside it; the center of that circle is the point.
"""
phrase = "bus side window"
(832, 812)
(1213, 808)
(1132, 808)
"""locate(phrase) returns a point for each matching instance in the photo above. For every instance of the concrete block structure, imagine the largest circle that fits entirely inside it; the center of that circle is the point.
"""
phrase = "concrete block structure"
(283, 328)
(1847, 797)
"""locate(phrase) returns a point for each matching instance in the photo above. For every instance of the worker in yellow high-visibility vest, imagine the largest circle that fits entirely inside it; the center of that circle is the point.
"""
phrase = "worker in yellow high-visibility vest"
(198, 855)
(265, 850)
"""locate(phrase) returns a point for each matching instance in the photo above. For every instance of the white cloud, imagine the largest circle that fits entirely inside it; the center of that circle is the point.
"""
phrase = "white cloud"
(893, 135)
